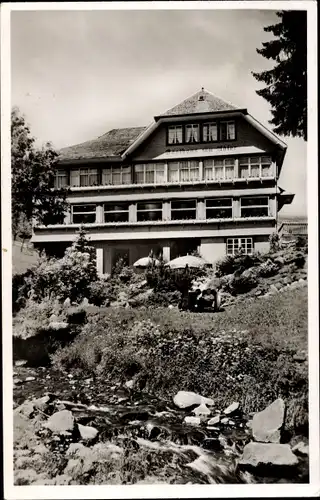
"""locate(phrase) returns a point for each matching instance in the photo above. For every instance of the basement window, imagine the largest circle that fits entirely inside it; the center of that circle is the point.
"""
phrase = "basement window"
(235, 245)
(219, 208)
(147, 211)
(255, 207)
(183, 210)
(83, 214)
(116, 212)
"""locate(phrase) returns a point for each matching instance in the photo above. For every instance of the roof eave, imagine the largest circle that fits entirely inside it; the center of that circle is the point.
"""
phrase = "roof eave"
(81, 161)
(205, 113)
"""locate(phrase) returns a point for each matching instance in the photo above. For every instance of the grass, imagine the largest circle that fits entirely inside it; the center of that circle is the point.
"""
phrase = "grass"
(245, 353)
(23, 257)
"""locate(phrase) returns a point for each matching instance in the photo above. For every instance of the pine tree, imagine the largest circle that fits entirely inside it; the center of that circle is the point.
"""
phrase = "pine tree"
(286, 88)
(33, 171)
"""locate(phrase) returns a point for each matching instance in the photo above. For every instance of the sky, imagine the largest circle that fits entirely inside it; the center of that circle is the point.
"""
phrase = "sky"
(77, 74)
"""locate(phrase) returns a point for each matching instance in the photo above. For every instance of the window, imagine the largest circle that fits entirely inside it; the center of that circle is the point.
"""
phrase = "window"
(234, 245)
(116, 212)
(149, 211)
(84, 177)
(227, 131)
(149, 173)
(61, 179)
(181, 210)
(255, 207)
(83, 214)
(183, 171)
(219, 169)
(219, 208)
(116, 175)
(254, 167)
(210, 132)
(175, 134)
(192, 133)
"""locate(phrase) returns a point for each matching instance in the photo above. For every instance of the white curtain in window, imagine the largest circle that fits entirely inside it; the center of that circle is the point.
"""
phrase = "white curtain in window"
(173, 172)
(74, 178)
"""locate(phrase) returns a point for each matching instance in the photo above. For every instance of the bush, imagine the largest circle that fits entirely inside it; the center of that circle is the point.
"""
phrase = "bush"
(301, 242)
(21, 286)
(267, 268)
(238, 262)
(70, 277)
(274, 241)
(240, 284)
(100, 292)
(35, 317)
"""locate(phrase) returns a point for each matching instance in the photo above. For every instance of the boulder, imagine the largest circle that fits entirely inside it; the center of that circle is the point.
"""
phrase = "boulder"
(30, 379)
(273, 289)
(60, 421)
(201, 411)
(58, 325)
(274, 454)
(267, 424)
(87, 433)
(301, 448)
(67, 302)
(232, 408)
(214, 420)
(192, 420)
(185, 399)
(26, 409)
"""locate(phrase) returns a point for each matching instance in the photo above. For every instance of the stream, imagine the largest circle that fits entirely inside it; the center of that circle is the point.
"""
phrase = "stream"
(207, 454)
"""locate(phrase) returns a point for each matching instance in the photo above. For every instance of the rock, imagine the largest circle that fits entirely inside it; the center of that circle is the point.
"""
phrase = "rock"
(106, 451)
(58, 325)
(60, 421)
(129, 384)
(74, 467)
(185, 399)
(255, 454)
(192, 420)
(301, 448)
(41, 449)
(67, 302)
(225, 420)
(26, 409)
(300, 357)
(85, 302)
(273, 289)
(17, 381)
(279, 260)
(170, 306)
(30, 379)
(25, 477)
(232, 408)
(41, 403)
(53, 318)
(87, 433)
(267, 424)
(214, 420)
(20, 362)
(201, 411)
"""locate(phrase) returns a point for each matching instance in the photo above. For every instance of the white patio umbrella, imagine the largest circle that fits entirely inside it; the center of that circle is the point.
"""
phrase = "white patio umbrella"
(187, 260)
(146, 261)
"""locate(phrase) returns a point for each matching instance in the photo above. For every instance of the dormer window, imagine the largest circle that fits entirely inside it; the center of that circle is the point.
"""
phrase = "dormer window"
(210, 132)
(175, 134)
(227, 131)
(192, 133)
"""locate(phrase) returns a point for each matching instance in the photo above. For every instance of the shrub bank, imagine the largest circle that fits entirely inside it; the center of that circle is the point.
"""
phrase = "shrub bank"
(237, 355)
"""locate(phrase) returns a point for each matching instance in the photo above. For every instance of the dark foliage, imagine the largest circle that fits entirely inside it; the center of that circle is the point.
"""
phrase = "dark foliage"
(286, 83)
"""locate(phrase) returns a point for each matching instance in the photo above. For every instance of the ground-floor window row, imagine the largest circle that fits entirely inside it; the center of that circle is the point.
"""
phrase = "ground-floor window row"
(211, 169)
(214, 208)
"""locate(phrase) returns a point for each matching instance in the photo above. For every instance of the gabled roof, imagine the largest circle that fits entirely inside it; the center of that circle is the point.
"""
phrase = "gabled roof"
(200, 102)
(111, 144)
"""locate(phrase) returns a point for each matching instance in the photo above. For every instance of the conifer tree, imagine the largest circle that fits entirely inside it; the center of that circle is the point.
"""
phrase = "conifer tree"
(286, 83)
